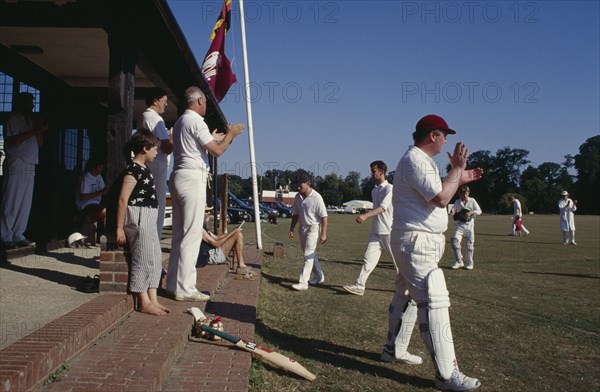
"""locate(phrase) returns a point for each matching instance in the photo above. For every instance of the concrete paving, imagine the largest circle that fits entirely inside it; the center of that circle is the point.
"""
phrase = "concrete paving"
(37, 289)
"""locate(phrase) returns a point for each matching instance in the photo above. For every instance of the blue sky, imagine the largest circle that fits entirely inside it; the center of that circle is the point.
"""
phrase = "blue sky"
(338, 84)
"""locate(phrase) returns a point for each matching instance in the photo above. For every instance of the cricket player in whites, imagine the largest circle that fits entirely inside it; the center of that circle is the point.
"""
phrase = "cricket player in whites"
(417, 241)
(466, 208)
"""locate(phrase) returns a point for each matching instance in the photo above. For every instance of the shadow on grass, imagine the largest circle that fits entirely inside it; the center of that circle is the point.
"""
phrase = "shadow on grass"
(565, 275)
(339, 356)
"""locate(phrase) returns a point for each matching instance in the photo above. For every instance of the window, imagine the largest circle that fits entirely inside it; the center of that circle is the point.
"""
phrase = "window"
(6, 87)
(70, 149)
(75, 149)
(36, 94)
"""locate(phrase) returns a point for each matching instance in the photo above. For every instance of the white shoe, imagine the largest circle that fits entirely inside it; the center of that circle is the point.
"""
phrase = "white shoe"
(565, 243)
(300, 287)
(354, 289)
(457, 382)
(469, 266)
(457, 265)
(317, 280)
(406, 358)
(194, 297)
(573, 243)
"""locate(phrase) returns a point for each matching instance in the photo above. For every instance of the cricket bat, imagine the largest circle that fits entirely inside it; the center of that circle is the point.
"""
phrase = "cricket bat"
(261, 353)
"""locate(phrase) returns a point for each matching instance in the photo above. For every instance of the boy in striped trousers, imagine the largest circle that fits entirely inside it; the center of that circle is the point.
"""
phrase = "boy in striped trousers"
(137, 213)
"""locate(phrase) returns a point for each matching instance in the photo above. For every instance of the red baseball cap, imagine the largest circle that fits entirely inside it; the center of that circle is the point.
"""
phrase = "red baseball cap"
(432, 122)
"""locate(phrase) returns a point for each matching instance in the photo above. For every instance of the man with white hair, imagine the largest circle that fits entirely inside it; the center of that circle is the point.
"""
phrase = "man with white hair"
(192, 141)
(567, 218)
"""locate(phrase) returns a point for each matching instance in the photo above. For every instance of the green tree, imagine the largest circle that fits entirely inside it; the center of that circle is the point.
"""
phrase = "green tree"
(587, 164)
(351, 186)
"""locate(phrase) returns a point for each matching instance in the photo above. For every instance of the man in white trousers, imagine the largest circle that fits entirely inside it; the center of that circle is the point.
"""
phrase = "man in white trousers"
(157, 102)
(23, 137)
(309, 211)
(379, 240)
(567, 208)
(420, 219)
(381, 226)
(466, 208)
(192, 142)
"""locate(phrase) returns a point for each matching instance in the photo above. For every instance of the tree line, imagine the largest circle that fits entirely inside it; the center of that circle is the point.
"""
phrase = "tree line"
(506, 172)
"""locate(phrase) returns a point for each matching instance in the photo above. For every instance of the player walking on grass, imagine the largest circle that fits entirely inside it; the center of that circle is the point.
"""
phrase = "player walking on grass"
(309, 210)
(466, 208)
(417, 241)
(379, 240)
(137, 212)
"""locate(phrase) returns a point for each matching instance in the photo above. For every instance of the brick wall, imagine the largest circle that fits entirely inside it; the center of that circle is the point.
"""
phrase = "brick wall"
(114, 271)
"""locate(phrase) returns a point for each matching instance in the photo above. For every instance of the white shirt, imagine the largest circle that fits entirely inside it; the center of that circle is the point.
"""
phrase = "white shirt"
(416, 182)
(154, 122)
(28, 150)
(190, 134)
(310, 210)
(382, 197)
(471, 204)
(567, 216)
(517, 208)
(90, 184)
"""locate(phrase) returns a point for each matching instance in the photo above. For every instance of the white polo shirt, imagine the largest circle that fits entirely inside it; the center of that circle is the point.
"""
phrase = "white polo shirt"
(154, 122)
(27, 151)
(190, 134)
(382, 197)
(417, 181)
(310, 210)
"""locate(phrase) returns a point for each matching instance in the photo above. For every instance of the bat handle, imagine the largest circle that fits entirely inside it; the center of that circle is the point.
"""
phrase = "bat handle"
(226, 336)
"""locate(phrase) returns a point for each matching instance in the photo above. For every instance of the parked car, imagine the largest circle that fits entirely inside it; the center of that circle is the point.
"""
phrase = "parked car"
(235, 202)
(271, 214)
(281, 207)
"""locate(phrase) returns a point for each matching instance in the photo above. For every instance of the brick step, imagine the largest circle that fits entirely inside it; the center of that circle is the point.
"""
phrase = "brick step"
(220, 366)
(28, 361)
(137, 354)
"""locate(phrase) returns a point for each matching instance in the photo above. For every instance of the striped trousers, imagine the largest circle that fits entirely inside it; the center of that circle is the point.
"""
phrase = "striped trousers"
(141, 234)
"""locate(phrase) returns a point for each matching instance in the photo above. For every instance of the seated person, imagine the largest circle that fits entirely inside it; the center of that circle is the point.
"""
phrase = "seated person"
(90, 190)
(234, 240)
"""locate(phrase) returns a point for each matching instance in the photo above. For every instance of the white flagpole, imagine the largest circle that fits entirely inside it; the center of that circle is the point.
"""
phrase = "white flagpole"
(250, 130)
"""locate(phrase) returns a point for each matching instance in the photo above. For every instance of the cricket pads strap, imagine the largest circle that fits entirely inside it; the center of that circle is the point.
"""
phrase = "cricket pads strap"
(438, 334)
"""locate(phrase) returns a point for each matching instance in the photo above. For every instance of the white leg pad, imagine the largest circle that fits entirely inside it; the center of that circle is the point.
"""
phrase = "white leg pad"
(435, 324)
(406, 328)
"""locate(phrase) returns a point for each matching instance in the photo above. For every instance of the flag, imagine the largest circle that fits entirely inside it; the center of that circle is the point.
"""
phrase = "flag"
(216, 66)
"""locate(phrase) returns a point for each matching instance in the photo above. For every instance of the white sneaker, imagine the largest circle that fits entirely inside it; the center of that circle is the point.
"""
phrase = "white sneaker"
(469, 266)
(317, 280)
(194, 297)
(406, 358)
(457, 382)
(457, 265)
(300, 287)
(565, 243)
(354, 289)
(573, 243)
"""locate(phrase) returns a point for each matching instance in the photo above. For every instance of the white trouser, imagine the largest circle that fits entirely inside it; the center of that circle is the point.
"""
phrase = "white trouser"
(19, 177)
(309, 235)
(159, 171)
(568, 236)
(188, 192)
(417, 254)
(377, 243)
(466, 230)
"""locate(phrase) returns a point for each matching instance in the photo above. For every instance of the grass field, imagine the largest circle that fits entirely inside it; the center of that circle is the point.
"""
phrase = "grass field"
(527, 318)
